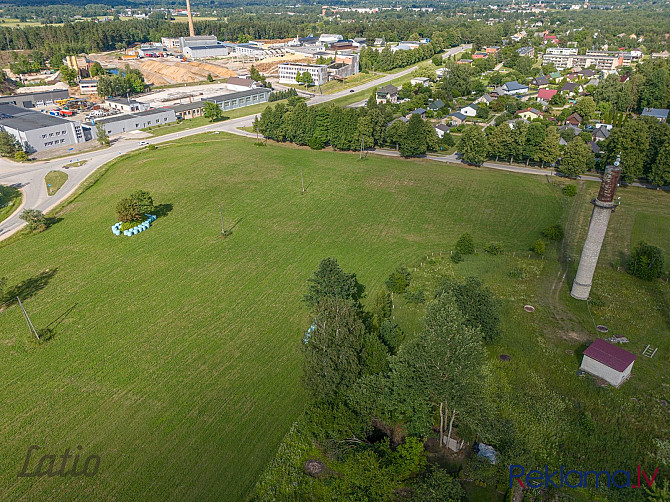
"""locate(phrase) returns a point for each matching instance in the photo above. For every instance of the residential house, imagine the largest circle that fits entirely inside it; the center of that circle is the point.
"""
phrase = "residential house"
(456, 119)
(550, 39)
(469, 110)
(485, 99)
(529, 113)
(464, 61)
(555, 75)
(421, 112)
(661, 114)
(572, 88)
(387, 94)
(540, 82)
(546, 94)
(513, 88)
(569, 127)
(423, 81)
(608, 362)
(526, 51)
(436, 105)
(594, 147)
(587, 73)
(441, 130)
(601, 134)
(574, 119)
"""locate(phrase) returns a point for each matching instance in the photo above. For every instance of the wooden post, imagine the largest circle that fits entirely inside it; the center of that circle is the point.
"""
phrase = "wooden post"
(302, 180)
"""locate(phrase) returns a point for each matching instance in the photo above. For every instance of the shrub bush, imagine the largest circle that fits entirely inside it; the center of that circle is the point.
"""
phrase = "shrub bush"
(456, 257)
(494, 248)
(554, 232)
(569, 190)
(398, 281)
(35, 219)
(646, 262)
(465, 244)
(539, 247)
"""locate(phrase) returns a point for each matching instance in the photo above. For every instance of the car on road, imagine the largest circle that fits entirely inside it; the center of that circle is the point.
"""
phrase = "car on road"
(351, 90)
(143, 143)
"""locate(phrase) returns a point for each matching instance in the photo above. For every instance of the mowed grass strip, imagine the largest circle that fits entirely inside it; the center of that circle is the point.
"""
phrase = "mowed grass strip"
(176, 354)
(54, 180)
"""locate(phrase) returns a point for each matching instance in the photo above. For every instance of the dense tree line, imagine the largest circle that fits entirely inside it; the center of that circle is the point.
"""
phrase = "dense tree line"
(347, 128)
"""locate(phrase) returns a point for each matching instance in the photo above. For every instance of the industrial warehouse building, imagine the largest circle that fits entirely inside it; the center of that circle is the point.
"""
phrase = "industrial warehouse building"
(119, 124)
(205, 51)
(33, 99)
(38, 131)
(289, 71)
(197, 41)
(240, 99)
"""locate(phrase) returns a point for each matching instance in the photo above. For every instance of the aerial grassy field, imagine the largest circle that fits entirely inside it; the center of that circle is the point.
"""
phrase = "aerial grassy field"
(174, 355)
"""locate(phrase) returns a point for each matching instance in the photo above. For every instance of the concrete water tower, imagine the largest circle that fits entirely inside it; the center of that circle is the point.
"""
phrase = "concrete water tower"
(603, 207)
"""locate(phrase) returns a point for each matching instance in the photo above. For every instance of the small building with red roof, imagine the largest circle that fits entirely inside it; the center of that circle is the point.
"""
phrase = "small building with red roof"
(607, 361)
(546, 94)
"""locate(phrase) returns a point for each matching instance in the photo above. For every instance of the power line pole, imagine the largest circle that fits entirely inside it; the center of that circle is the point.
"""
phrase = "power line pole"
(302, 180)
(30, 324)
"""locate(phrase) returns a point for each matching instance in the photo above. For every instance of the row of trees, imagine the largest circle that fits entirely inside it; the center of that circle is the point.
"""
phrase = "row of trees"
(644, 145)
(348, 128)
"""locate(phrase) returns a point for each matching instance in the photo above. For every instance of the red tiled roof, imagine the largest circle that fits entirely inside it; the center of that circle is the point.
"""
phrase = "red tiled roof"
(610, 355)
(546, 93)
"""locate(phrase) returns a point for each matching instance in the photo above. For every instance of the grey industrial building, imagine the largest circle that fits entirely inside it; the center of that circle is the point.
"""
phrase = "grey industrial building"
(38, 131)
(33, 99)
(241, 98)
(132, 121)
(197, 41)
(205, 51)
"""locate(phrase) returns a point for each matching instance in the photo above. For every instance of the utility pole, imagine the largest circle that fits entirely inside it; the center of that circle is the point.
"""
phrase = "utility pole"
(30, 324)
(223, 230)
(302, 180)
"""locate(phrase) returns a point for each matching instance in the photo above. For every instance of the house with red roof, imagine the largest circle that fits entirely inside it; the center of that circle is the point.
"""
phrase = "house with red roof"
(607, 361)
(546, 94)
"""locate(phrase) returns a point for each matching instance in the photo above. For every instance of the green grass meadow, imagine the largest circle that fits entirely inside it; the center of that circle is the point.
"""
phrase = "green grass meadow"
(175, 353)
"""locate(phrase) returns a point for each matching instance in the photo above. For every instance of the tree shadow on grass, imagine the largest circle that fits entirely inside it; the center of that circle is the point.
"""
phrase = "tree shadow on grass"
(162, 210)
(28, 288)
(53, 220)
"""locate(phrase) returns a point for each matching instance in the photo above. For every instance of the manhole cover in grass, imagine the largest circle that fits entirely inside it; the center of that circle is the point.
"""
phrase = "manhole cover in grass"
(505, 357)
(602, 329)
(529, 308)
(570, 352)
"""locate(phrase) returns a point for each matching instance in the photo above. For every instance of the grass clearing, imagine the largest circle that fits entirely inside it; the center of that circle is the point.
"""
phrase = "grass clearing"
(10, 199)
(175, 353)
(54, 180)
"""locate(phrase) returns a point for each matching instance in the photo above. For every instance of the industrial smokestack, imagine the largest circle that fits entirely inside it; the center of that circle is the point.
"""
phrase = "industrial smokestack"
(603, 206)
(190, 18)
